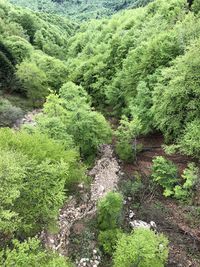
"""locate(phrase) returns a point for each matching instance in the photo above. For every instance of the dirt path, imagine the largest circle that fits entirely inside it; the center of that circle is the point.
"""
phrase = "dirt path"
(105, 179)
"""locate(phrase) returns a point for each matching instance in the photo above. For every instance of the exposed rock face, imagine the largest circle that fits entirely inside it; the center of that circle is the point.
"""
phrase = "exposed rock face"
(93, 262)
(141, 224)
(29, 118)
(105, 175)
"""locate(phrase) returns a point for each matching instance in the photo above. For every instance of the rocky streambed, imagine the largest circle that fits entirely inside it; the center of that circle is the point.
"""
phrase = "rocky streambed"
(105, 175)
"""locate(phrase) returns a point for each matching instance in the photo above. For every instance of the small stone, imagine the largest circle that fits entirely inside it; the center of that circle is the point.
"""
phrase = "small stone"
(94, 251)
(129, 198)
(131, 214)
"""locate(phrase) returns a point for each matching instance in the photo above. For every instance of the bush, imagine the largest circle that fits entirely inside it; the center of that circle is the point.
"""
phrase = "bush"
(143, 248)
(133, 188)
(9, 114)
(12, 174)
(34, 82)
(19, 47)
(31, 253)
(196, 6)
(49, 171)
(190, 142)
(126, 132)
(74, 117)
(190, 176)
(109, 210)
(108, 240)
(165, 173)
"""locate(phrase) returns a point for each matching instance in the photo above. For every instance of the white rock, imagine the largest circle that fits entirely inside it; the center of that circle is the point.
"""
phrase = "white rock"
(138, 224)
(131, 214)
(153, 225)
(96, 262)
(94, 251)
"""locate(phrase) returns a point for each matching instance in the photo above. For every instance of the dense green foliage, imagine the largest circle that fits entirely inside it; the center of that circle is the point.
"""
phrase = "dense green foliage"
(24, 69)
(142, 62)
(108, 240)
(9, 114)
(39, 179)
(70, 116)
(125, 134)
(30, 253)
(143, 248)
(165, 173)
(140, 65)
(81, 9)
(109, 210)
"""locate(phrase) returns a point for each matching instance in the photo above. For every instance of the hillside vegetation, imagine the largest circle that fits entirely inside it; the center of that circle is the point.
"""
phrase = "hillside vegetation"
(81, 9)
(139, 68)
(144, 63)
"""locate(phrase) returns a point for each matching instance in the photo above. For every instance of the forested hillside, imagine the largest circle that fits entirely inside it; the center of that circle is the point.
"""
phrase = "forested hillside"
(81, 9)
(99, 133)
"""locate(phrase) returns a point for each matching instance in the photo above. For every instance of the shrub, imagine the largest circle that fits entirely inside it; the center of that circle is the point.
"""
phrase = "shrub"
(74, 117)
(12, 175)
(143, 248)
(109, 210)
(9, 114)
(190, 176)
(165, 173)
(126, 132)
(108, 240)
(134, 188)
(31, 253)
(190, 141)
(19, 47)
(33, 80)
(49, 171)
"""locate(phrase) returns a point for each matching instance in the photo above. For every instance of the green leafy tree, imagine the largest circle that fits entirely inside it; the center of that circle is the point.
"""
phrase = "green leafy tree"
(189, 142)
(12, 175)
(142, 248)
(165, 173)
(109, 210)
(9, 114)
(126, 146)
(75, 117)
(19, 47)
(190, 177)
(176, 97)
(49, 169)
(56, 71)
(33, 80)
(108, 240)
(31, 253)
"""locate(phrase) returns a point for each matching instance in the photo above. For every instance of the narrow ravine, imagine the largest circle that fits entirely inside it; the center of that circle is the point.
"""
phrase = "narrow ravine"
(105, 175)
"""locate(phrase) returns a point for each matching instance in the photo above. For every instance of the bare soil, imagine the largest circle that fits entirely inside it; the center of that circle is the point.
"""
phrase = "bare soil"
(169, 215)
